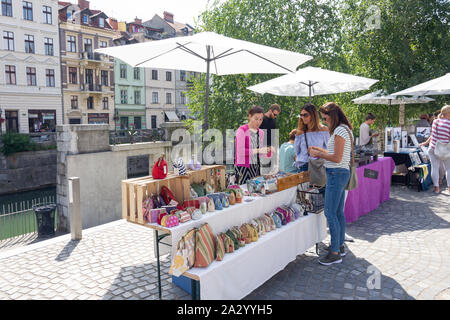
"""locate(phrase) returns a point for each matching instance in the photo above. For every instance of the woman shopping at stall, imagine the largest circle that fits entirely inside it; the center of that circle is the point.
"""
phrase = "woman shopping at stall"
(440, 139)
(310, 133)
(249, 147)
(337, 163)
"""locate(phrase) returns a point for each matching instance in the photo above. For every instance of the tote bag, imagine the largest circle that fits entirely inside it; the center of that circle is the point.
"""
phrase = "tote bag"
(353, 181)
(316, 168)
(442, 150)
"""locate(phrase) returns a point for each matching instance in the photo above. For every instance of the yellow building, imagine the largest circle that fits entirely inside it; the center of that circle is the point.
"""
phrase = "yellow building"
(87, 77)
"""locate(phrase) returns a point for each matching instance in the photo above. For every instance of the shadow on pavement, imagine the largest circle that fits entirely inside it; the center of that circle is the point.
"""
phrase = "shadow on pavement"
(306, 279)
(67, 250)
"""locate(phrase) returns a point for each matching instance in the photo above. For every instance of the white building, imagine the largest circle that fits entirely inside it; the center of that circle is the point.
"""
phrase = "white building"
(30, 84)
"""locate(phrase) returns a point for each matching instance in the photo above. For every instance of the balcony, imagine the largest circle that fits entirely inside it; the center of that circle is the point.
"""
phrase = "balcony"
(91, 88)
(95, 57)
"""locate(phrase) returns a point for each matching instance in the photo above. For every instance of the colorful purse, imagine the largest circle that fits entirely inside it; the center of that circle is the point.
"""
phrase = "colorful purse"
(211, 206)
(233, 238)
(168, 196)
(204, 246)
(191, 203)
(172, 221)
(160, 169)
(239, 236)
(203, 207)
(162, 202)
(246, 233)
(228, 243)
(156, 203)
(285, 215)
(218, 204)
(161, 214)
(220, 248)
(238, 197)
(209, 189)
(199, 189)
(184, 216)
(179, 167)
(180, 260)
(276, 219)
(232, 198)
(253, 232)
(196, 215)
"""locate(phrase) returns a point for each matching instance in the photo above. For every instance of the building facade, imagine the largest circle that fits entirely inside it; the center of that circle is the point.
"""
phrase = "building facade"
(30, 84)
(87, 77)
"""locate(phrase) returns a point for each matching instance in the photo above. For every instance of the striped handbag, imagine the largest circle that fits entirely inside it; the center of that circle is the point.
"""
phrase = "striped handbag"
(205, 246)
(220, 248)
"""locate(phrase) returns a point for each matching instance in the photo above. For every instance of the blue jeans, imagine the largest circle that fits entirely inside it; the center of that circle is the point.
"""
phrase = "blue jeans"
(302, 168)
(337, 180)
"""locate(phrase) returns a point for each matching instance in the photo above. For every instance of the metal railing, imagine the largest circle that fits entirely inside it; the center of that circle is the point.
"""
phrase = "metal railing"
(144, 135)
(18, 220)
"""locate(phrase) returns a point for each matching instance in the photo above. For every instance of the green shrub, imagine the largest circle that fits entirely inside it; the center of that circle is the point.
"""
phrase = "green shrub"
(16, 142)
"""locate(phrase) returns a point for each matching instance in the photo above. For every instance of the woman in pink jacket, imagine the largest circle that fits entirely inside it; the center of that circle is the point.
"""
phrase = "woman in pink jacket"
(249, 147)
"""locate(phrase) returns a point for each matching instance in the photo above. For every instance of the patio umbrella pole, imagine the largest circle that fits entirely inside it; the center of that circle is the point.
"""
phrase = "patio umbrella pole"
(208, 61)
(390, 104)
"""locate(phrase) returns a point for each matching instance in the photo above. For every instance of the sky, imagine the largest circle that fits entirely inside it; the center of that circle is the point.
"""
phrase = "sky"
(184, 11)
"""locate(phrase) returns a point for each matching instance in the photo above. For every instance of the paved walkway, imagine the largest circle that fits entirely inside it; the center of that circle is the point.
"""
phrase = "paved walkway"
(405, 242)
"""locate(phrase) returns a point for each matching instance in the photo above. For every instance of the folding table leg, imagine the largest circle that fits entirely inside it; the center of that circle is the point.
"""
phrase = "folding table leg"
(195, 289)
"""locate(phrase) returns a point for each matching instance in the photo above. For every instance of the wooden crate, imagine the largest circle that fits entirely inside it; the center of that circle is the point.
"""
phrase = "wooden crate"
(134, 191)
(213, 175)
(292, 180)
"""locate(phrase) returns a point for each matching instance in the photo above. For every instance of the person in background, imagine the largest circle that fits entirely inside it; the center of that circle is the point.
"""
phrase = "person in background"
(269, 123)
(365, 138)
(287, 155)
(337, 164)
(423, 122)
(249, 147)
(310, 132)
(431, 118)
(440, 132)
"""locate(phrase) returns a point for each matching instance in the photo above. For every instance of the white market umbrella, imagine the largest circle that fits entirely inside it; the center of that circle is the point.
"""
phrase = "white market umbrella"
(311, 81)
(438, 86)
(379, 97)
(208, 52)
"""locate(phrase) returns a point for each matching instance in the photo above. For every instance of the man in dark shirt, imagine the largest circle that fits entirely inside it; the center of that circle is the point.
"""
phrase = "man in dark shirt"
(267, 125)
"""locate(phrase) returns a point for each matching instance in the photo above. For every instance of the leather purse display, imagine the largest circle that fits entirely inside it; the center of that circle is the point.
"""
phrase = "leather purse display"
(160, 169)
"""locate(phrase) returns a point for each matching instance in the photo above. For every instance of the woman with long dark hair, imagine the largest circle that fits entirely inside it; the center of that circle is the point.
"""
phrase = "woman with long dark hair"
(337, 163)
(249, 147)
(310, 133)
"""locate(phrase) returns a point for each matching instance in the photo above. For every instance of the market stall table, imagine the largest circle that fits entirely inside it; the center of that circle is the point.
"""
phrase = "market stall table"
(374, 186)
(295, 238)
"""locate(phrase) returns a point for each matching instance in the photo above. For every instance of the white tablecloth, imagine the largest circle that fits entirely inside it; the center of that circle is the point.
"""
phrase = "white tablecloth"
(236, 215)
(249, 267)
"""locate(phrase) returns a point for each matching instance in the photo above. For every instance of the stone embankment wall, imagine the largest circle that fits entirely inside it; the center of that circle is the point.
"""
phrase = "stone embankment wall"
(26, 171)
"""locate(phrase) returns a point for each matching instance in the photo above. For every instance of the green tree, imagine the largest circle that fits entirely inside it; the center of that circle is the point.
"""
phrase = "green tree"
(408, 44)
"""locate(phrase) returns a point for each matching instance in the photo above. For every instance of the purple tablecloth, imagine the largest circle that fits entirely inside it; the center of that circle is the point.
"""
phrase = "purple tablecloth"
(370, 192)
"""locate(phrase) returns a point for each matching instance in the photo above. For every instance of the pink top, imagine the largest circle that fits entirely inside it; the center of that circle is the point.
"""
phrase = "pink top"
(243, 146)
(440, 131)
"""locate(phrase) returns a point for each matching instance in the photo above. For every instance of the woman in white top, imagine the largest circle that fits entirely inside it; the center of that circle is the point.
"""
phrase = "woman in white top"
(337, 163)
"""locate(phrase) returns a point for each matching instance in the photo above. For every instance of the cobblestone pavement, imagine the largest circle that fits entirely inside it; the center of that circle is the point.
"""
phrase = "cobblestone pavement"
(407, 239)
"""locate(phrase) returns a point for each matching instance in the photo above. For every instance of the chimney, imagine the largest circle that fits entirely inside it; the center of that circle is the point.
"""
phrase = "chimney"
(113, 23)
(83, 4)
(168, 16)
(137, 21)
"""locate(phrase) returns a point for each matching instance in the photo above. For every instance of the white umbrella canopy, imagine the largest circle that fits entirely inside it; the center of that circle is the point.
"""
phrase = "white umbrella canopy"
(379, 97)
(438, 86)
(209, 53)
(311, 81)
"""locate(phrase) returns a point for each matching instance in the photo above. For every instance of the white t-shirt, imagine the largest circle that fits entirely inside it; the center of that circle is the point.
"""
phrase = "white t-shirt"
(364, 134)
(346, 157)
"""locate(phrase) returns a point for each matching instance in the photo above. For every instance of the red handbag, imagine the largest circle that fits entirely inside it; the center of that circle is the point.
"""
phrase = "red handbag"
(160, 168)
(191, 203)
(167, 195)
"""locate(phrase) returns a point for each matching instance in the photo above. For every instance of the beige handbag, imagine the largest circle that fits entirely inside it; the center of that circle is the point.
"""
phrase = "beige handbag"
(353, 181)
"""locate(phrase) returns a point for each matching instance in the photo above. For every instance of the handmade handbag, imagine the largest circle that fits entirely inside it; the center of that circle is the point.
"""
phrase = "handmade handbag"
(276, 219)
(179, 167)
(161, 214)
(220, 248)
(164, 219)
(203, 207)
(172, 221)
(196, 215)
(232, 198)
(246, 233)
(253, 232)
(316, 168)
(228, 243)
(298, 210)
(180, 259)
(218, 204)
(202, 199)
(270, 222)
(353, 181)
(191, 203)
(194, 165)
(233, 238)
(184, 216)
(205, 246)
(209, 189)
(238, 197)
(189, 244)
(156, 203)
(441, 149)
(239, 235)
(168, 196)
(162, 201)
(160, 169)
(199, 189)
(211, 206)
(285, 215)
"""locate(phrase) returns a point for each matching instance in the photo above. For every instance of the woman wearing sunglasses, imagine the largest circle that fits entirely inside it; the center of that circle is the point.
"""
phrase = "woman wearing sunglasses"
(337, 164)
(310, 133)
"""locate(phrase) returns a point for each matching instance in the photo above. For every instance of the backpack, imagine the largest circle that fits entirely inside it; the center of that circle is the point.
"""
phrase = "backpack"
(160, 168)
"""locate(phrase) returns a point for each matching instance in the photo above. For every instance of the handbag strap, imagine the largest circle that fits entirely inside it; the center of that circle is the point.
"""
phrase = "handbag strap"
(351, 142)
(307, 147)
(257, 155)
